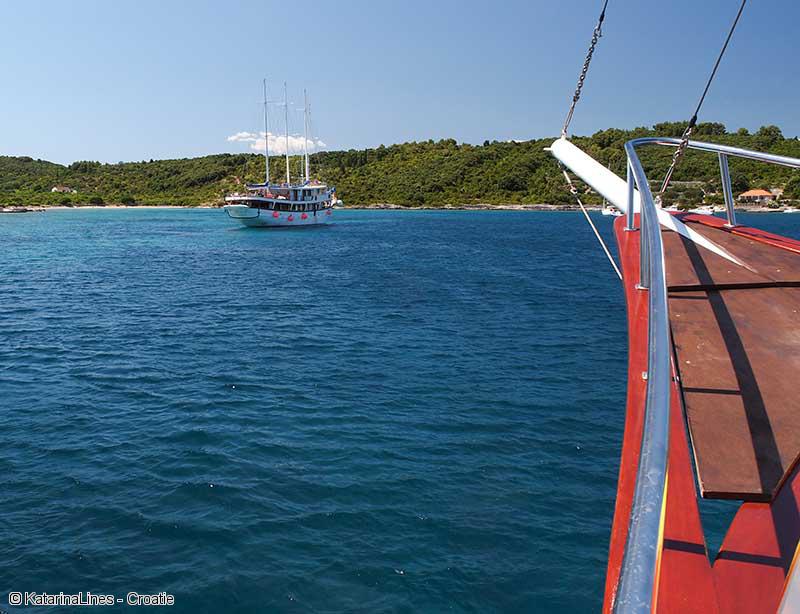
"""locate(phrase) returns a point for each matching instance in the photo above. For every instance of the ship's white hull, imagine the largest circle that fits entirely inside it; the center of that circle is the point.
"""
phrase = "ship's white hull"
(266, 218)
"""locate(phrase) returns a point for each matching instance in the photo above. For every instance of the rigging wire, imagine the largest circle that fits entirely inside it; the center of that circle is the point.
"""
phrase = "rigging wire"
(311, 140)
(574, 192)
(597, 33)
(693, 121)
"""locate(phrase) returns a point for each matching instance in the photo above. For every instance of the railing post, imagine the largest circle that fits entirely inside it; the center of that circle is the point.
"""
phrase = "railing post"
(644, 249)
(630, 224)
(726, 188)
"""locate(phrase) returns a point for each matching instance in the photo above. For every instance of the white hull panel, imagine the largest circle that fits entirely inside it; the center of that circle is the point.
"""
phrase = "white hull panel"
(265, 218)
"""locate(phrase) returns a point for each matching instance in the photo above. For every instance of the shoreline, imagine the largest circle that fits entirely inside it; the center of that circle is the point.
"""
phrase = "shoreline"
(43, 208)
(370, 207)
(475, 207)
(540, 208)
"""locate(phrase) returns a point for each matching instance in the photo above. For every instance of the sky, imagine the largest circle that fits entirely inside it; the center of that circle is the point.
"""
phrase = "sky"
(135, 80)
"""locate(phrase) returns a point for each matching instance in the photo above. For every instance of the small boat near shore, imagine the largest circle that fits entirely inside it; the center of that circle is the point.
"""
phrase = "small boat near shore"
(609, 210)
(286, 205)
(18, 209)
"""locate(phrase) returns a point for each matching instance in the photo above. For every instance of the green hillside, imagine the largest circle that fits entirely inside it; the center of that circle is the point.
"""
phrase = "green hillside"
(416, 174)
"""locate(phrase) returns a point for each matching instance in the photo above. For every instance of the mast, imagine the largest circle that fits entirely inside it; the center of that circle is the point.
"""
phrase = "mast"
(305, 130)
(286, 119)
(266, 134)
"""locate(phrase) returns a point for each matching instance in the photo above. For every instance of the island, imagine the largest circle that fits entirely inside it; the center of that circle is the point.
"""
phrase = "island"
(429, 174)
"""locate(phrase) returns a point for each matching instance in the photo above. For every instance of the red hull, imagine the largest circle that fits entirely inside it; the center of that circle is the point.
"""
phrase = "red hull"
(749, 573)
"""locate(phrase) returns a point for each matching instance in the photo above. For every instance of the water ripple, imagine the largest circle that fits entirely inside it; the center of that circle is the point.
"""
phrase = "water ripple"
(402, 412)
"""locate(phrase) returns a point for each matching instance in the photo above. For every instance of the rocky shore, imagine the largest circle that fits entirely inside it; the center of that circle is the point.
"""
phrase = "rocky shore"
(476, 207)
(532, 207)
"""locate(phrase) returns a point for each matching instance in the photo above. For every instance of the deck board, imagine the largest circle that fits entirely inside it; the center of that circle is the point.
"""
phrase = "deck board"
(766, 263)
(737, 344)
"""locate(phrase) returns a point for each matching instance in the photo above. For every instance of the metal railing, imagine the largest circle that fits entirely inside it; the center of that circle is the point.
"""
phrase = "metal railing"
(636, 586)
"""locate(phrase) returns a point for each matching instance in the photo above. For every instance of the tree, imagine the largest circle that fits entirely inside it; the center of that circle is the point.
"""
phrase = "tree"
(793, 187)
(425, 172)
(710, 128)
(84, 166)
(739, 183)
(607, 138)
(772, 132)
(768, 136)
(670, 128)
(692, 196)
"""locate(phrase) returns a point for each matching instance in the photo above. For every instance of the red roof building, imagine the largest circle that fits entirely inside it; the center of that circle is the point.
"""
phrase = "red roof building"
(756, 196)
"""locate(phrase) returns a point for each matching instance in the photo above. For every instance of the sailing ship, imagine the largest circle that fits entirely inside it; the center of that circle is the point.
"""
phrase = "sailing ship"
(713, 411)
(304, 203)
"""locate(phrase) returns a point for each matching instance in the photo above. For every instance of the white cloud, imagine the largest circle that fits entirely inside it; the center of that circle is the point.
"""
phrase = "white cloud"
(242, 137)
(277, 142)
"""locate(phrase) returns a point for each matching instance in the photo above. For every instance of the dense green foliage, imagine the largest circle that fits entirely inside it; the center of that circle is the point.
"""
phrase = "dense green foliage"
(427, 173)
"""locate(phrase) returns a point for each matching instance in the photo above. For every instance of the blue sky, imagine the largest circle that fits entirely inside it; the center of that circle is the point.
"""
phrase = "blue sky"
(148, 79)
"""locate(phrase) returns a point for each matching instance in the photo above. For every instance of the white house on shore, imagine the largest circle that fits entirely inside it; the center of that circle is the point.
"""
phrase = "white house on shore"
(62, 189)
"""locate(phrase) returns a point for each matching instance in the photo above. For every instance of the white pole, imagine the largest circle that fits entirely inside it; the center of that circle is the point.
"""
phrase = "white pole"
(615, 190)
(266, 133)
(286, 119)
(305, 130)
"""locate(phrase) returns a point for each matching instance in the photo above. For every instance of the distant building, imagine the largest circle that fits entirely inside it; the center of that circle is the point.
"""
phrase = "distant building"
(756, 196)
(62, 189)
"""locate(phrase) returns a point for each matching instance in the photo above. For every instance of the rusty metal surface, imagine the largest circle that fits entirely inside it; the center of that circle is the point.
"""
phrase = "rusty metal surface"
(738, 355)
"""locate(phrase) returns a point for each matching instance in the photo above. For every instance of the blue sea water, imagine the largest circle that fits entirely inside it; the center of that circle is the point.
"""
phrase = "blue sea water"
(402, 412)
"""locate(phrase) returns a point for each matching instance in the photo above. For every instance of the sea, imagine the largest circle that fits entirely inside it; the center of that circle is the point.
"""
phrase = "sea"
(405, 411)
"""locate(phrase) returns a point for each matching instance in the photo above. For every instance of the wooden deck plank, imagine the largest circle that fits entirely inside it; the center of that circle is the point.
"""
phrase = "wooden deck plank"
(739, 355)
(691, 266)
(685, 267)
(756, 234)
(766, 259)
(737, 344)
